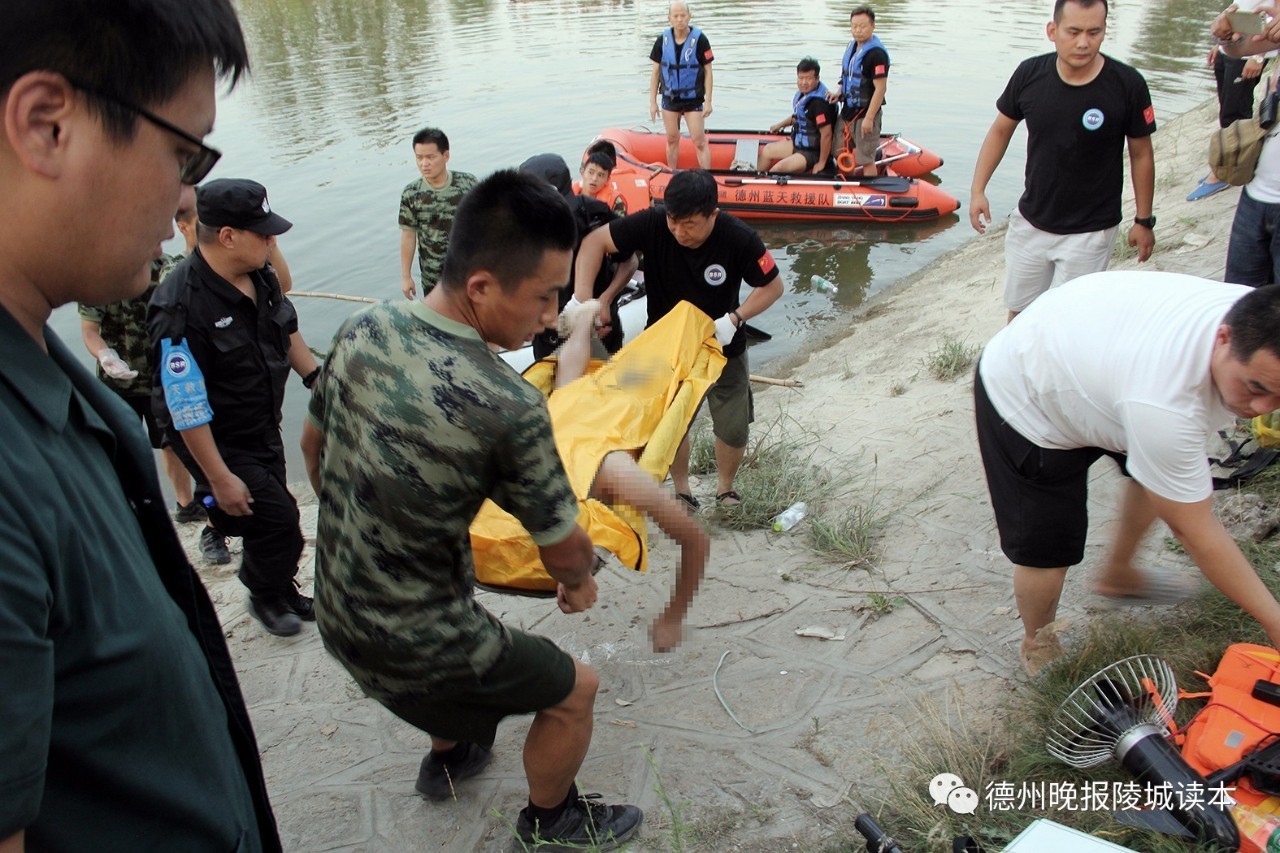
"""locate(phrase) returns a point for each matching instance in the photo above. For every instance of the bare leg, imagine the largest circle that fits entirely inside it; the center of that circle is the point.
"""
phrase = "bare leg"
(728, 460)
(1118, 575)
(680, 468)
(558, 740)
(178, 476)
(1036, 592)
(671, 122)
(620, 481)
(697, 134)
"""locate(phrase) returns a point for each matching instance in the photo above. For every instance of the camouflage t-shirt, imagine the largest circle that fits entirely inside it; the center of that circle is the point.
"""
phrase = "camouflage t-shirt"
(421, 423)
(429, 212)
(123, 325)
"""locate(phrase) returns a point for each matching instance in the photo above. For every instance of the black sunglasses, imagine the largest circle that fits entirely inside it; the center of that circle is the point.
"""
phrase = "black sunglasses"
(198, 164)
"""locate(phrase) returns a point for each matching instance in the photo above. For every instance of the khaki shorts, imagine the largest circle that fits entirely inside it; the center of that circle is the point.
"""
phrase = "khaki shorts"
(532, 675)
(732, 407)
(864, 147)
(1036, 260)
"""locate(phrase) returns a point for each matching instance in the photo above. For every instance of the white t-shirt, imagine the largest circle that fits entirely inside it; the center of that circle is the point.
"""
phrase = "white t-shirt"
(1118, 360)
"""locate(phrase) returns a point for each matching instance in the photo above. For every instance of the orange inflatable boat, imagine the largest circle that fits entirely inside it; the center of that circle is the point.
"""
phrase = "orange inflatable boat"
(641, 178)
(896, 152)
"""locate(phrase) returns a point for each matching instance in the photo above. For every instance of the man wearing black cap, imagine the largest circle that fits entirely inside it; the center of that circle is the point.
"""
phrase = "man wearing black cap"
(225, 339)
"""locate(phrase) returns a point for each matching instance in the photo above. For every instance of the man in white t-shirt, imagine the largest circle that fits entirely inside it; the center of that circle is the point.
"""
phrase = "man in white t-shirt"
(1142, 367)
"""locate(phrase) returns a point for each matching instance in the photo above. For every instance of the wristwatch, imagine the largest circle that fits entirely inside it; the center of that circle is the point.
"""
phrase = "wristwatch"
(738, 317)
(1145, 222)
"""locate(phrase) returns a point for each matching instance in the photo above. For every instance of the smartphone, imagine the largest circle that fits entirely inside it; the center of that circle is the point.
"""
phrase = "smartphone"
(1247, 23)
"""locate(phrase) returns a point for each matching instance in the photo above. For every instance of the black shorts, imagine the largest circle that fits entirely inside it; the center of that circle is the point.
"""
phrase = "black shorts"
(142, 405)
(1040, 495)
(810, 157)
(681, 105)
(532, 675)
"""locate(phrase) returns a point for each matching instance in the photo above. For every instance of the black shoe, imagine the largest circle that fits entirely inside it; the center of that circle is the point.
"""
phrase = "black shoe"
(437, 778)
(582, 824)
(275, 616)
(187, 513)
(300, 604)
(213, 547)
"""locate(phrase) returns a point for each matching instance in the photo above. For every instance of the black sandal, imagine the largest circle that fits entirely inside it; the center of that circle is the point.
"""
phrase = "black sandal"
(723, 496)
(689, 500)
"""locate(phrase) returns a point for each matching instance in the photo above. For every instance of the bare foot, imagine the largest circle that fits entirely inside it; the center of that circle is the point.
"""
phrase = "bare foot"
(1044, 648)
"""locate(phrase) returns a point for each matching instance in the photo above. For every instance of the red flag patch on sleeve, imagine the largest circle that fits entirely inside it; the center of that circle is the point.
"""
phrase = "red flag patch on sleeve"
(1149, 115)
(821, 118)
(881, 70)
(766, 262)
(707, 55)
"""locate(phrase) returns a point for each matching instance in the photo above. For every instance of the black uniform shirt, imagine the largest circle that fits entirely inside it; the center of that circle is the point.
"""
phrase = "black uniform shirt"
(241, 347)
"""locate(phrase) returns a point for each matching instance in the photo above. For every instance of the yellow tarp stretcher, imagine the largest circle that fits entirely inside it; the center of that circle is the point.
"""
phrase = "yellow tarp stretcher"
(642, 401)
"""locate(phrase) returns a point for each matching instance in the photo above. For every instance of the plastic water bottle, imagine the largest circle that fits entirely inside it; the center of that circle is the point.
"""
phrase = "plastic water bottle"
(821, 284)
(789, 517)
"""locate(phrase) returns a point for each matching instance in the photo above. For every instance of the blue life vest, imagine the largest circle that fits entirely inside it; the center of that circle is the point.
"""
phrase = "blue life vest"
(806, 132)
(680, 73)
(851, 71)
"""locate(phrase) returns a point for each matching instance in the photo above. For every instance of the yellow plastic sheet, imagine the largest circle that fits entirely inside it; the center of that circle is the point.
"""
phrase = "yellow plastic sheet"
(641, 401)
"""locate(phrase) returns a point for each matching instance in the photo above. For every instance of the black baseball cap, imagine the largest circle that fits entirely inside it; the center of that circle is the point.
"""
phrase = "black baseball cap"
(238, 203)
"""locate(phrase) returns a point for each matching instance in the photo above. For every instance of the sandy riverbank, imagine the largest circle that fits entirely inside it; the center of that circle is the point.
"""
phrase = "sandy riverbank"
(816, 715)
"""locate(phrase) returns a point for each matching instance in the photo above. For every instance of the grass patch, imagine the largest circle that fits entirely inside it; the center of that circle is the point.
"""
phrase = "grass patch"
(850, 536)
(1008, 747)
(952, 358)
(777, 470)
(897, 388)
(702, 448)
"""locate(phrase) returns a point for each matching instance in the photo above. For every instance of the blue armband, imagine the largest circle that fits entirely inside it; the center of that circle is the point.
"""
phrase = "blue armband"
(183, 383)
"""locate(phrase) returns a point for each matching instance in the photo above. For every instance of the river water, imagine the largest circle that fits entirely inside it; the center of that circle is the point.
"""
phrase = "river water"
(339, 87)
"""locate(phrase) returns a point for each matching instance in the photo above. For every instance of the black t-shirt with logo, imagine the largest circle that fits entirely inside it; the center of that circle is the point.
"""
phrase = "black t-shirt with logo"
(1075, 141)
(708, 276)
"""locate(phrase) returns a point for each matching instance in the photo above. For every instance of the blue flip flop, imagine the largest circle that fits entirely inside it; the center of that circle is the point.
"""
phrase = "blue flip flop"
(1206, 188)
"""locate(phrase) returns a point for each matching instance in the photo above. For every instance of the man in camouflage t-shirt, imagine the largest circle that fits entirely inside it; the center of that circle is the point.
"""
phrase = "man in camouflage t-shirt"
(426, 210)
(414, 422)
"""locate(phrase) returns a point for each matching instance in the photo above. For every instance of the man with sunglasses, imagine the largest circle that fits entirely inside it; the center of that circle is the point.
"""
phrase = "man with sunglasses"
(122, 726)
(220, 315)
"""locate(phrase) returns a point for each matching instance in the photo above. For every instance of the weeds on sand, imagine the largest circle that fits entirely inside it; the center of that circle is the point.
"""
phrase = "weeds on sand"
(702, 448)
(851, 536)
(777, 470)
(1010, 747)
(952, 358)
(897, 388)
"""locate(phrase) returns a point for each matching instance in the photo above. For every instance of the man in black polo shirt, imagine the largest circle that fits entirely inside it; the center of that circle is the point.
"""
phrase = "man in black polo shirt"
(122, 727)
(695, 252)
(220, 314)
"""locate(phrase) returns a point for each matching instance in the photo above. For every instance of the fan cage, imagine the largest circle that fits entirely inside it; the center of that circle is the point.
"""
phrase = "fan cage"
(1075, 735)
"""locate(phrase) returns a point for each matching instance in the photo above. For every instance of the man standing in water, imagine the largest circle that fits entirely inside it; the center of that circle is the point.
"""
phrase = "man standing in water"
(681, 59)
(122, 726)
(1080, 106)
(426, 210)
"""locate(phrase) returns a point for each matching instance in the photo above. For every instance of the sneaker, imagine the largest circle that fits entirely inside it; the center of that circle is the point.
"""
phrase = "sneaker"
(300, 604)
(275, 616)
(583, 823)
(213, 547)
(437, 778)
(187, 513)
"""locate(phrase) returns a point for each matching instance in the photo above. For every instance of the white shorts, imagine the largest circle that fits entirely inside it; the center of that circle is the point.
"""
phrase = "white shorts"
(1036, 260)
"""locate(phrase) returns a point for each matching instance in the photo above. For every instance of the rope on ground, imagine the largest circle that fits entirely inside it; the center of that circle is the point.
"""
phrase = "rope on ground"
(781, 383)
(340, 296)
(716, 687)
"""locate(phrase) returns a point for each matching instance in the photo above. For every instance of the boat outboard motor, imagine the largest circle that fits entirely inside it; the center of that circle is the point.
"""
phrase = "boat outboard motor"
(1125, 711)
